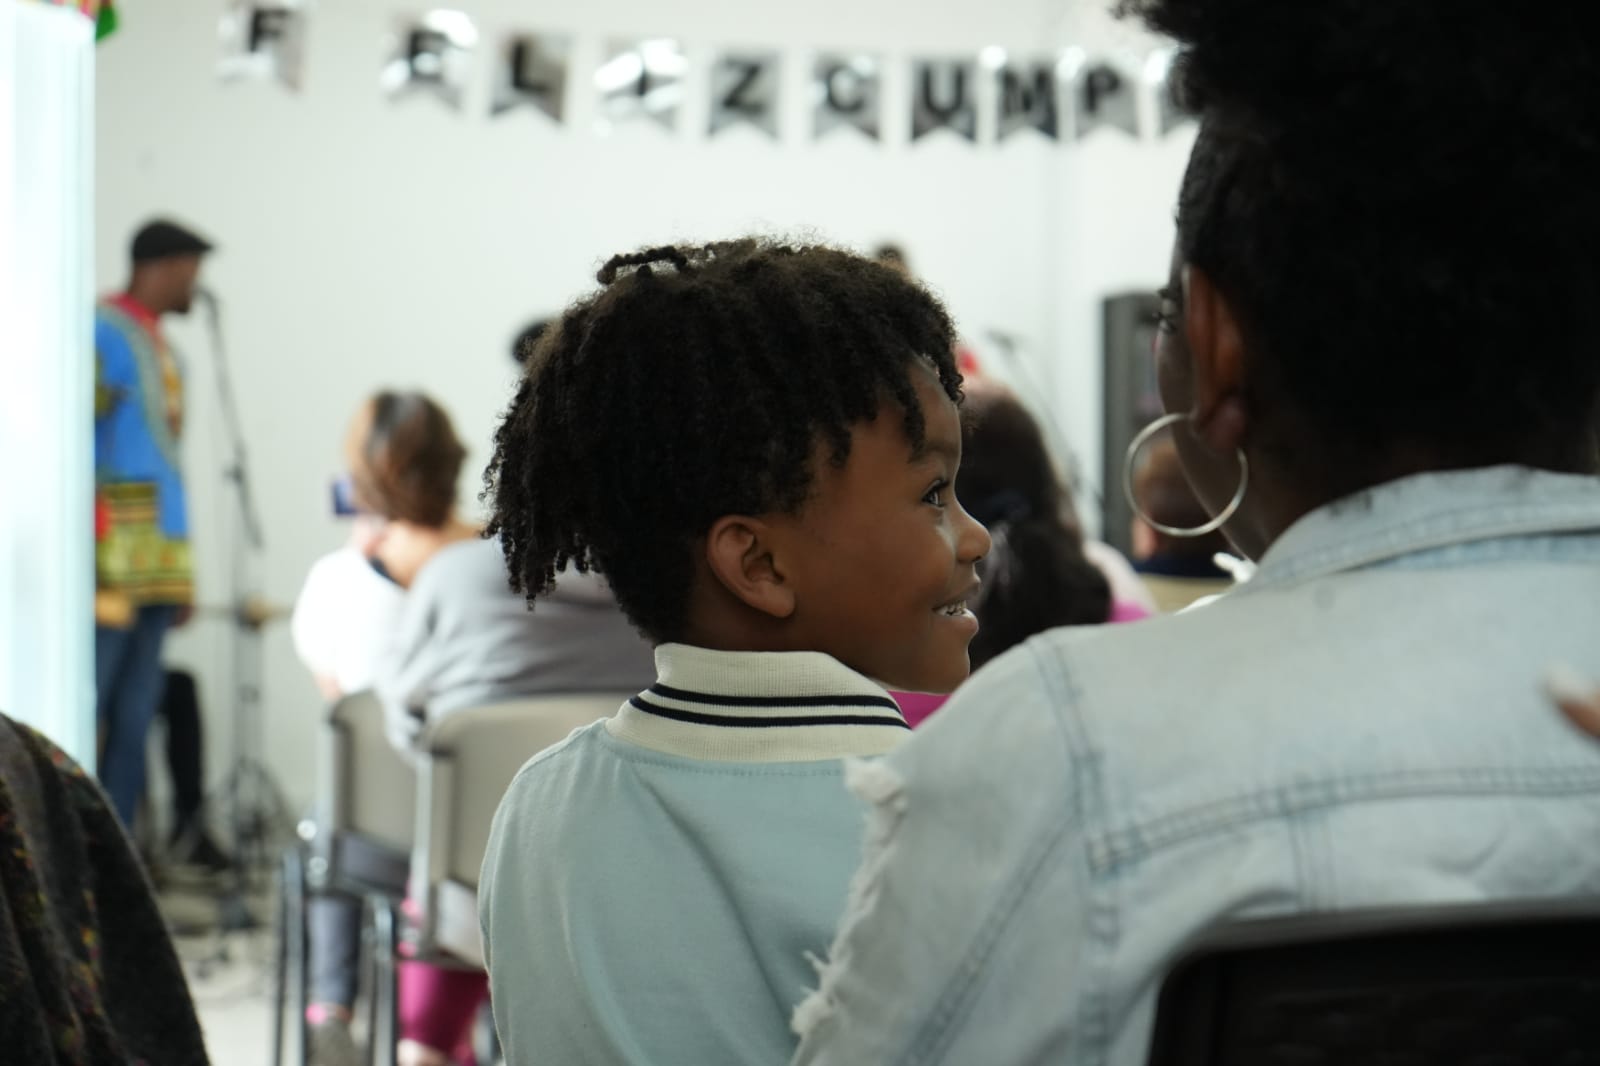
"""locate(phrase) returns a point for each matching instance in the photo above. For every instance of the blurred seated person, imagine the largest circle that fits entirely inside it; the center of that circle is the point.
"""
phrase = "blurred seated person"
(88, 974)
(1177, 570)
(347, 611)
(1036, 576)
(462, 639)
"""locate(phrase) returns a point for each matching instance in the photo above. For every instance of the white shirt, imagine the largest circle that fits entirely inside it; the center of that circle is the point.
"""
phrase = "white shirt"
(345, 617)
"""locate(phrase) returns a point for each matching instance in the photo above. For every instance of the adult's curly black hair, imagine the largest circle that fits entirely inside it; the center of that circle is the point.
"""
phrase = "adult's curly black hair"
(698, 382)
(1399, 199)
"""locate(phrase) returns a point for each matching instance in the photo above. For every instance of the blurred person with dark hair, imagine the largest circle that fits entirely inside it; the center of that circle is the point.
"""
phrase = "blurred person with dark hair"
(144, 582)
(1377, 348)
(1177, 570)
(1036, 576)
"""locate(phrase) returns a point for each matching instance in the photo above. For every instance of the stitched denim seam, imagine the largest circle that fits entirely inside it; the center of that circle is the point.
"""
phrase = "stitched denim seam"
(1104, 918)
(1117, 846)
(1553, 549)
(933, 1040)
(1440, 529)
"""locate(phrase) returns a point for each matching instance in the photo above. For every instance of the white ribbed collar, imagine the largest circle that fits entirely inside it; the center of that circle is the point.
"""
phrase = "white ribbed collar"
(725, 706)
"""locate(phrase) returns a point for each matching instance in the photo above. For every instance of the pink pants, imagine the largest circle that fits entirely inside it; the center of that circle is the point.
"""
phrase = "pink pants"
(438, 1005)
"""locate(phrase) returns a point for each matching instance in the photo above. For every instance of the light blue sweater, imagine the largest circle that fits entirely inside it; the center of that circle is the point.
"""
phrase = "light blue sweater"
(654, 884)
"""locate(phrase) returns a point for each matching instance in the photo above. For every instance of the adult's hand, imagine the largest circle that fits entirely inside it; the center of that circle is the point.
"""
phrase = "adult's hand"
(184, 616)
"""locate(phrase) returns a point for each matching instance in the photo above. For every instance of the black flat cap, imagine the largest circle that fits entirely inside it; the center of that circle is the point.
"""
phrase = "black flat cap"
(164, 240)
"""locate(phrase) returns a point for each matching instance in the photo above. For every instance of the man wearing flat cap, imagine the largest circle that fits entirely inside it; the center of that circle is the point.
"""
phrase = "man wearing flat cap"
(143, 578)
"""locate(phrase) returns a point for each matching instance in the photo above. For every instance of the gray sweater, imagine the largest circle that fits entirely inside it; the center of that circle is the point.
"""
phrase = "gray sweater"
(465, 639)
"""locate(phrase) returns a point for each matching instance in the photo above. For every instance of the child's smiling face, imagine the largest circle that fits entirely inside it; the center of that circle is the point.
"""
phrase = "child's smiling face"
(882, 558)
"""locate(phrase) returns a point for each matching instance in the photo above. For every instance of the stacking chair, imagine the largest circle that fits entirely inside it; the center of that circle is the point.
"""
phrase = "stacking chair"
(1478, 985)
(467, 761)
(358, 843)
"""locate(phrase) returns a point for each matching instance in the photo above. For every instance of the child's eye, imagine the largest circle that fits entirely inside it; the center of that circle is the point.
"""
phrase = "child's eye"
(935, 495)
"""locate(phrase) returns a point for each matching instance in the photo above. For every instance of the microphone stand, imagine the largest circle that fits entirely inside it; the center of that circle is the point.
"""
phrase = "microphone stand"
(1044, 412)
(255, 802)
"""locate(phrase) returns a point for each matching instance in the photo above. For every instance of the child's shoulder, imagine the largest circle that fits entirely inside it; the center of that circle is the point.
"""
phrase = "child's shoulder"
(567, 756)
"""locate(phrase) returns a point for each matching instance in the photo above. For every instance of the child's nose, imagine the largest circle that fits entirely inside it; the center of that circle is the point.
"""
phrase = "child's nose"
(974, 542)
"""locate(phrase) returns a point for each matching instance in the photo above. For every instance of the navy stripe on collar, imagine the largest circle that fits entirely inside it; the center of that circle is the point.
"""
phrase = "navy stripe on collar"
(763, 722)
(714, 700)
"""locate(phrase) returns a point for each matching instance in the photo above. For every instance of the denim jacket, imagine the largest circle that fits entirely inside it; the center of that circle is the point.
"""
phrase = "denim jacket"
(1362, 724)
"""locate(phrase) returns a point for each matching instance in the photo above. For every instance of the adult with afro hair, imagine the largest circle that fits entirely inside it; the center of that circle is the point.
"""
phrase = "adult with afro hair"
(757, 445)
(1377, 353)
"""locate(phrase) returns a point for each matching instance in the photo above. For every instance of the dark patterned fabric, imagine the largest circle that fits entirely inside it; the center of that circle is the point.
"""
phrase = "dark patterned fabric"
(88, 975)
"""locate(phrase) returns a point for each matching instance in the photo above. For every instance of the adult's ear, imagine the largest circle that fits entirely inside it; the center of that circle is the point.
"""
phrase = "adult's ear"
(1220, 417)
(740, 552)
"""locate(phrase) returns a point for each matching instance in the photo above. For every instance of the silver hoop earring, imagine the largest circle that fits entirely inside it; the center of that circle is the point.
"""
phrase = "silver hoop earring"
(1179, 531)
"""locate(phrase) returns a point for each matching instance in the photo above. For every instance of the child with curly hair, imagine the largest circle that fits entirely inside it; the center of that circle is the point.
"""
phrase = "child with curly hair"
(757, 446)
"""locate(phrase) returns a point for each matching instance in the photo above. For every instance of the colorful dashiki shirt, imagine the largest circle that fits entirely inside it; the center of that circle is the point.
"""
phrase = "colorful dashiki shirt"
(141, 519)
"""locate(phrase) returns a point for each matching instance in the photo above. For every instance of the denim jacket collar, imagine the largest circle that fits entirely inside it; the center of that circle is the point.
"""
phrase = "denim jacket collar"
(1428, 511)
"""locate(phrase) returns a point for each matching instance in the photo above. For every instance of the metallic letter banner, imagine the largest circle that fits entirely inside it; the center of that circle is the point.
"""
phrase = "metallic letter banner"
(532, 72)
(641, 79)
(263, 41)
(745, 88)
(1028, 99)
(848, 91)
(944, 97)
(1103, 97)
(431, 54)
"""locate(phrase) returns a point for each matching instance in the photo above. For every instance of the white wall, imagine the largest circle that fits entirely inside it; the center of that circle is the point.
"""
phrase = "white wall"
(46, 465)
(367, 244)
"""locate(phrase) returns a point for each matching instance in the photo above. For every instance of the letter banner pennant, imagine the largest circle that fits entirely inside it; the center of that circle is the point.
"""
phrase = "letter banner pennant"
(263, 41)
(641, 79)
(944, 97)
(532, 72)
(431, 54)
(746, 87)
(848, 91)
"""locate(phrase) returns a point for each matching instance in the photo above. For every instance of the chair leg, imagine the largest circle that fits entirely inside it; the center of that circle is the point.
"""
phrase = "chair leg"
(385, 982)
(292, 986)
(280, 982)
(301, 947)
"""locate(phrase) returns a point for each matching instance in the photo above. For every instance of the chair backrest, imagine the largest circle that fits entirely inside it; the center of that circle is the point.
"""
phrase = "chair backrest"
(367, 788)
(468, 760)
(1478, 985)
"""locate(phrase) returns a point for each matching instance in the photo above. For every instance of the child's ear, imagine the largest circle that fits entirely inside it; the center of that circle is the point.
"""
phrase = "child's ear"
(740, 553)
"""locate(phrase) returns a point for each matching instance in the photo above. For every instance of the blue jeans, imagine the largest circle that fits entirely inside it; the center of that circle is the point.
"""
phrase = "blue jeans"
(128, 683)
